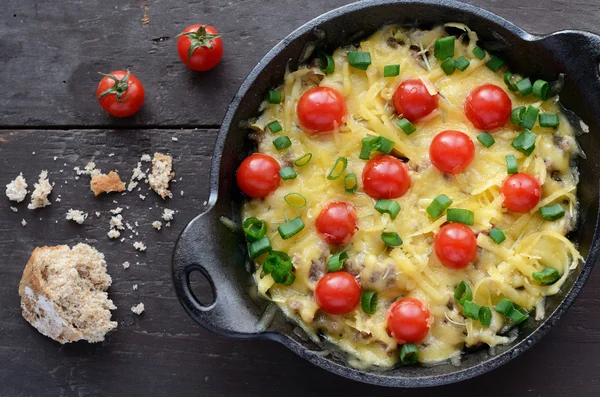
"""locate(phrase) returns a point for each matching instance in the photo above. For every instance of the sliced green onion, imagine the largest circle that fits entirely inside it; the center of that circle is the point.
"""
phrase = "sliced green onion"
(508, 80)
(517, 315)
(497, 235)
(390, 207)
(391, 70)
(391, 239)
(448, 66)
(466, 217)
(359, 60)
(471, 310)
(406, 126)
(511, 164)
(409, 354)
(541, 89)
(254, 229)
(295, 200)
(485, 316)
(444, 48)
(547, 276)
(283, 142)
(552, 212)
(462, 63)
(282, 273)
(530, 117)
(438, 206)
(336, 262)
(368, 301)
(259, 247)
(290, 228)
(525, 142)
(326, 62)
(504, 306)
(479, 52)
(516, 116)
(338, 169)
(495, 63)
(287, 173)
(273, 259)
(302, 161)
(486, 139)
(274, 126)
(274, 97)
(350, 183)
(386, 145)
(375, 143)
(463, 293)
(548, 120)
(524, 86)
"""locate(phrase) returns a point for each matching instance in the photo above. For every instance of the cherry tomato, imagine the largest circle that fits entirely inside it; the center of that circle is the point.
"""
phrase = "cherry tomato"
(455, 245)
(200, 47)
(413, 101)
(451, 151)
(321, 110)
(521, 191)
(488, 107)
(337, 222)
(337, 293)
(120, 93)
(385, 177)
(408, 320)
(258, 175)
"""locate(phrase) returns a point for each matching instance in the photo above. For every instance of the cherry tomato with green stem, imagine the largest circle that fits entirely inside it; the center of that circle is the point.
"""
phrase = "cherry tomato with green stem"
(120, 93)
(200, 47)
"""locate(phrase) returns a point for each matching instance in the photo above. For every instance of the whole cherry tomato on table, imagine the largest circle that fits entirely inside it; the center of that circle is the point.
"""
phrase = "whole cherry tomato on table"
(120, 93)
(488, 107)
(258, 175)
(337, 222)
(521, 191)
(321, 110)
(413, 101)
(200, 47)
(408, 320)
(385, 177)
(451, 151)
(455, 245)
(337, 293)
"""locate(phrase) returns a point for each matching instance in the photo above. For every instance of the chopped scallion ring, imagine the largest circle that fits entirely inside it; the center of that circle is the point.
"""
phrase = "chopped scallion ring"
(462, 63)
(448, 66)
(368, 302)
(541, 89)
(517, 114)
(326, 62)
(338, 168)
(406, 126)
(485, 316)
(552, 212)
(444, 48)
(287, 173)
(524, 86)
(295, 200)
(254, 229)
(507, 307)
(282, 270)
(390, 207)
(525, 142)
(409, 354)
(495, 63)
(290, 228)
(274, 126)
(302, 161)
(273, 259)
(508, 80)
(530, 117)
(359, 60)
(391, 70)
(274, 97)
(459, 215)
(259, 247)
(497, 235)
(350, 183)
(386, 145)
(336, 262)
(391, 239)
(283, 142)
(547, 276)
(471, 310)
(503, 306)
(463, 293)
(486, 139)
(548, 120)
(511, 164)
(437, 207)
(479, 52)
(375, 143)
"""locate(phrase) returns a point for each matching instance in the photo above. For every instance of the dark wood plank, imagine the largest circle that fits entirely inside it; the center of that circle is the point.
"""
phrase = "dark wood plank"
(50, 52)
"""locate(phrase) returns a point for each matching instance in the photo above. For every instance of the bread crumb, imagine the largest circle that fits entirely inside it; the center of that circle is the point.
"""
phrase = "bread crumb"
(174, 139)
(114, 233)
(138, 309)
(14, 209)
(97, 214)
(162, 174)
(16, 190)
(116, 211)
(138, 245)
(181, 192)
(142, 197)
(137, 175)
(111, 154)
(106, 183)
(55, 158)
(126, 265)
(157, 225)
(135, 287)
(168, 224)
(58, 200)
(168, 214)
(39, 197)
(23, 222)
(76, 216)
(33, 153)
(116, 222)
(146, 157)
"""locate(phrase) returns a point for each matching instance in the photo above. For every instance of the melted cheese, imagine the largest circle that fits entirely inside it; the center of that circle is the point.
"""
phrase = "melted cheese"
(501, 270)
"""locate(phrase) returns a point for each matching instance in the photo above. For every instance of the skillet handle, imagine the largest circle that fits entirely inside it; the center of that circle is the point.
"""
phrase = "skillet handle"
(206, 245)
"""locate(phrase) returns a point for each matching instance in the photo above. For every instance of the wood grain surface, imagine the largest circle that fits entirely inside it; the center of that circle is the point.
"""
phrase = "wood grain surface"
(49, 55)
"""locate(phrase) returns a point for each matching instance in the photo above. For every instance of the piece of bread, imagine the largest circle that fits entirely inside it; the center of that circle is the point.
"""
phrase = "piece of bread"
(63, 293)
(106, 183)
(162, 174)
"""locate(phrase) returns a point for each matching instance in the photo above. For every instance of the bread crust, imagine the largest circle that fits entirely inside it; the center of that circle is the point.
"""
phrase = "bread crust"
(106, 183)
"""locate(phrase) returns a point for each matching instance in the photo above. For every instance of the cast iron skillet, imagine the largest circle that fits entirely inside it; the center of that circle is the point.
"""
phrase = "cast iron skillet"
(209, 247)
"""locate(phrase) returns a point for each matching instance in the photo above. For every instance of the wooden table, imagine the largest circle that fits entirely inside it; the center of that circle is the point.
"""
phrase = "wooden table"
(49, 119)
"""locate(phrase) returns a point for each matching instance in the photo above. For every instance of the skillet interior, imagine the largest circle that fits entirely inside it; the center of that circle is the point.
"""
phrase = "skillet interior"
(209, 247)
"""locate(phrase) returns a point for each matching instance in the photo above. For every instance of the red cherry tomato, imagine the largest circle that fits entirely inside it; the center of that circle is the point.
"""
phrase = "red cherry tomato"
(321, 110)
(451, 151)
(413, 101)
(385, 177)
(408, 320)
(258, 175)
(455, 245)
(337, 293)
(200, 47)
(488, 107)
(120, 93)
(337, 222)
(522, 192)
